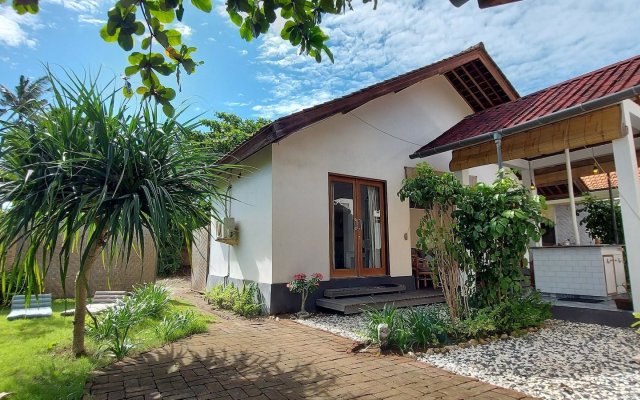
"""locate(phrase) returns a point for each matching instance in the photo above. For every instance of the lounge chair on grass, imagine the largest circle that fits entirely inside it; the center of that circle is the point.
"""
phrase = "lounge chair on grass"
(38, 307)
(102, 300)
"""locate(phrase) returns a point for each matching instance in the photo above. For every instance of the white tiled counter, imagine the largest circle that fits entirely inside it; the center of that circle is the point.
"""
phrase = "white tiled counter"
(596, 271)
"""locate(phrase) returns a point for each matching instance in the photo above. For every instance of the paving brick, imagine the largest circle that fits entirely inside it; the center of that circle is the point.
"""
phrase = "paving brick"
(269, 360)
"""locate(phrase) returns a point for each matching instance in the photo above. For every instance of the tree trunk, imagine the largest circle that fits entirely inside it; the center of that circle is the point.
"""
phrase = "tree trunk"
(81, 285)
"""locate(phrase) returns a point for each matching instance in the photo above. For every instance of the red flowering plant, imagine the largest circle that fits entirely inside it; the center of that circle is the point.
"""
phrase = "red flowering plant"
(304, 285)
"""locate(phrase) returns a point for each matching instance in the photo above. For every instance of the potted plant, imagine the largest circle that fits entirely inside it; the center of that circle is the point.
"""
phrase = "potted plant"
(623, 300)
(303, 285)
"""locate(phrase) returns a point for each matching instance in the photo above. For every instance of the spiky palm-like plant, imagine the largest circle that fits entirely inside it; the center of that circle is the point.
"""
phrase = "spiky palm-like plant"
(95, 175)
(27, 98)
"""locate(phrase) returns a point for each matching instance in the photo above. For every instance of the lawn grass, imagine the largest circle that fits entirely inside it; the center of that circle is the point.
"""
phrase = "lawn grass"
(36, 360)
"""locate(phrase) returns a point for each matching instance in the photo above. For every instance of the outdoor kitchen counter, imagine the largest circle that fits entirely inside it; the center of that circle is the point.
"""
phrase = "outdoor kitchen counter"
(593, 271)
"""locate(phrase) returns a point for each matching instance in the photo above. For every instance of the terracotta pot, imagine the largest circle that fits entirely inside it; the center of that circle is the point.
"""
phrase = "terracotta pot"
(624, 303)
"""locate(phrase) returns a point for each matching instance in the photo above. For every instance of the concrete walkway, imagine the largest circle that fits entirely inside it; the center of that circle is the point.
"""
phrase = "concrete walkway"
(268, 359)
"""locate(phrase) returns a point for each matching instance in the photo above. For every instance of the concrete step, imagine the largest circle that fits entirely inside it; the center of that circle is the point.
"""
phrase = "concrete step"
(358, 304)
(365, 290)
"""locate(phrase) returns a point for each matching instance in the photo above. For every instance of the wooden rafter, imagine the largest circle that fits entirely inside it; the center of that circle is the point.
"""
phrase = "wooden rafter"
(459, 78)
(477, 84)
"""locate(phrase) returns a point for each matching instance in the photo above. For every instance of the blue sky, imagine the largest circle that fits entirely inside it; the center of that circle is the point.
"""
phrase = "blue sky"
(535, 42)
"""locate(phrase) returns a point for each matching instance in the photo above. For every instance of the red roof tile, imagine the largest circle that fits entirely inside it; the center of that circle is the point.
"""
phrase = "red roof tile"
(599, 181)
(593, 85)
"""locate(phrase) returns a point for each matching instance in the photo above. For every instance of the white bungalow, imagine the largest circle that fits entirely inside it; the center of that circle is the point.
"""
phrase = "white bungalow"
(322, 194)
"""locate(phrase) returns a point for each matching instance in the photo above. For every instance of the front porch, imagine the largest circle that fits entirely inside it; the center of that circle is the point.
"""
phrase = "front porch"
(558, 154)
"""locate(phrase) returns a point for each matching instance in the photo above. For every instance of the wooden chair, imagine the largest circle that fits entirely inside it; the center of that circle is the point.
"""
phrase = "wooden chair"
(422, 271)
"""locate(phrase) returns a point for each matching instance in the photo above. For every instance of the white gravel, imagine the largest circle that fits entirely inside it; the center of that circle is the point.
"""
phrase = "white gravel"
(562, 361)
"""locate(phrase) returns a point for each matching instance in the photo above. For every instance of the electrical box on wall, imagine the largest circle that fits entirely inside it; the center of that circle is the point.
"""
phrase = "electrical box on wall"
(227, 231)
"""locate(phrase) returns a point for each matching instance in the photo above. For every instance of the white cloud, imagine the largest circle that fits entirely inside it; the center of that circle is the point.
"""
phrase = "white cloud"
(536, 43)
(184, 29)
(15, 30)
(88, 19)
(243, 52)
(82, 6)
(234, 104)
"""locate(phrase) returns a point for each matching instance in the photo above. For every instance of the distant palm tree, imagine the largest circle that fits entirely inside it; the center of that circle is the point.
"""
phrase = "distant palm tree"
(27, 99)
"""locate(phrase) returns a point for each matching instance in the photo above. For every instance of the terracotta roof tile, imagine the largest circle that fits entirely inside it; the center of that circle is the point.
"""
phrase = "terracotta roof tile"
(590, 86)
(599, 181)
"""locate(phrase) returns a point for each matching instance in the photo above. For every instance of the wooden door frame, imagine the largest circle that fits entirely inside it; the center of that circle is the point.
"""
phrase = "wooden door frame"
(358, 271)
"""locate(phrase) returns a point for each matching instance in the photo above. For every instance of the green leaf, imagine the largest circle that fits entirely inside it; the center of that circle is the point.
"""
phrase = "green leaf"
(126, 91)
(189, 65)
(156, 58)
(203, 5)
(235, 17)
(174, 37)
(125, 41)
(146, 42)
(26, 6)
(168, 94)
(131, 70)
(328, 52)
(106, 37)
(246, 30)
(135, 58)
(142, 90)
(180, 12)
(168, 110)
(164, 16)
(139, 28)
(165, 69)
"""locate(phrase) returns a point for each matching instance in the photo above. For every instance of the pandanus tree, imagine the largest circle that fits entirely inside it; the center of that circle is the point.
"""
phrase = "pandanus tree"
(95, 176)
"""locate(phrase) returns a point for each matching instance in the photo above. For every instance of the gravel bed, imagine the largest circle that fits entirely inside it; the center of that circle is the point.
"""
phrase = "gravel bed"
(562, 361)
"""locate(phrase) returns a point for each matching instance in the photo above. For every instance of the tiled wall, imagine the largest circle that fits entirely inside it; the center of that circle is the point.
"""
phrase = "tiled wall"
(570, 270)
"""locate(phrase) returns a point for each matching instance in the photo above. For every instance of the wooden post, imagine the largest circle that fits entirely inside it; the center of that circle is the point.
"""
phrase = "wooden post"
(572, 199)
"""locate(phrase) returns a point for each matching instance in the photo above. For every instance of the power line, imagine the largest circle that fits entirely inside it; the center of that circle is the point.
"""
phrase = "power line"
(383, 131)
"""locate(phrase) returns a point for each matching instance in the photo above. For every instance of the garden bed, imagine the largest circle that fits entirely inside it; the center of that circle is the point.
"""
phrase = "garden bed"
(563, 360)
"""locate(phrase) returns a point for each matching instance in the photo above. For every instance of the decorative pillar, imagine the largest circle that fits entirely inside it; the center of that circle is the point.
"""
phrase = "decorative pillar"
(624, 153)
(572, 199)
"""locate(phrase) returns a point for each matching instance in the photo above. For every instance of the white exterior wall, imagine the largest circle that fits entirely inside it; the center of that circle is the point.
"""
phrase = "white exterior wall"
(343, 144)
(251, 207)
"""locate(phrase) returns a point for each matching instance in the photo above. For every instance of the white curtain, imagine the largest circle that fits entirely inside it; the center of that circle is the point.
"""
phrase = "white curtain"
(373, 238)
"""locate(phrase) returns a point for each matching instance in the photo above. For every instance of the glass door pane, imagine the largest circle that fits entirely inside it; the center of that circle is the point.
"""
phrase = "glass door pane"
(343, 248)
(371, 226)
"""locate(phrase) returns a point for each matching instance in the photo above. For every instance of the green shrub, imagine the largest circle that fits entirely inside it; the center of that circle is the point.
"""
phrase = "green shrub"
(400, 336)
(430, 326)
(177, 325)
(522, 312)
(152, 299)
(111, 329)
(246, 302)
(480, 323)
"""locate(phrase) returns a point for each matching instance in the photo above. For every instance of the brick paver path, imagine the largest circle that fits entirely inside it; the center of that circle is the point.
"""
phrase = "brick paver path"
(270, 359)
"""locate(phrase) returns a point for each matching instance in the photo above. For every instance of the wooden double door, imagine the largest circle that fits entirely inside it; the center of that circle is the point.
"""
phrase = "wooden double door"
(358, 237)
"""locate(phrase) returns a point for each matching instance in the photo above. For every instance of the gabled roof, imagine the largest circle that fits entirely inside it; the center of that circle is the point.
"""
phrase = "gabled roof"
(473, 73)
(593, 85)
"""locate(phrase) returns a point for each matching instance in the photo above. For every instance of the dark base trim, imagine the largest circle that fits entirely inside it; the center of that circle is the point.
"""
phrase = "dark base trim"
(616, 319)
(279, 300)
